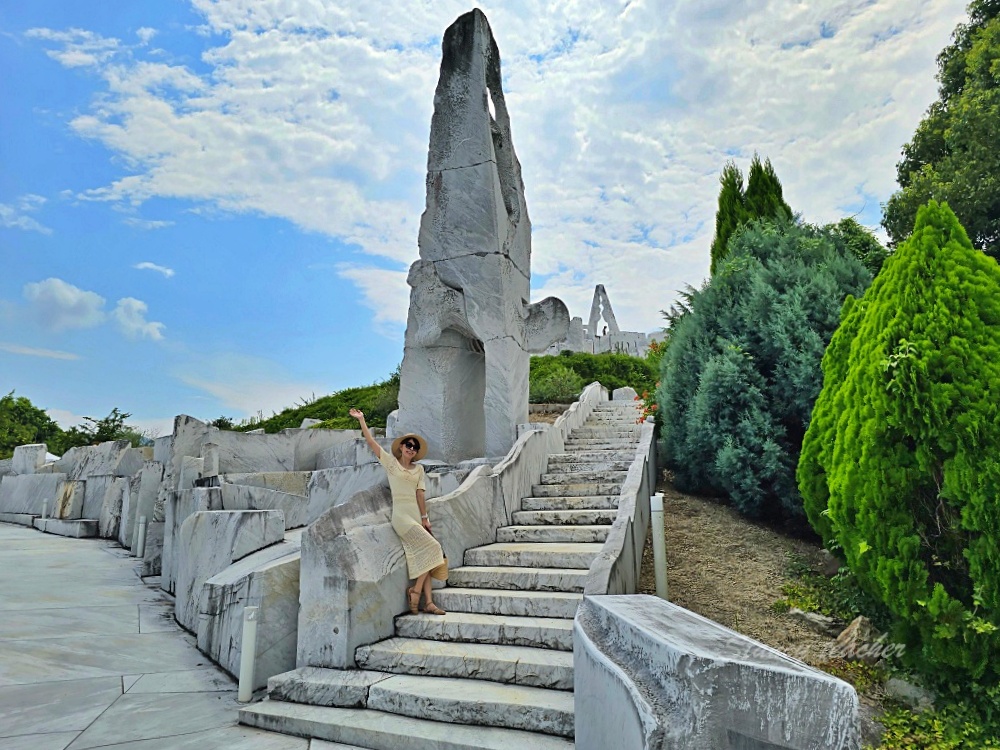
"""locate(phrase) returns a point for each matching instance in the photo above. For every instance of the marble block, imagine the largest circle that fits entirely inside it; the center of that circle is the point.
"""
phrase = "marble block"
(178, 506)
(97, 487)
(91, 460)
(25, 493)
(109, 518)
(211, 541)
(153, 552)
(649, 673)
(130, 461)
(268, 579)
(28, 459)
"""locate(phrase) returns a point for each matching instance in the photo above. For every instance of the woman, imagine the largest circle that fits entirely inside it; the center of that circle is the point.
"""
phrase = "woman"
(409, 513)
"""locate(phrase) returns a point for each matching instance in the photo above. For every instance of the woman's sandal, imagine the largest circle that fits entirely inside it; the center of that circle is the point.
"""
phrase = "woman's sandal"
(413, 599)
(432, 609)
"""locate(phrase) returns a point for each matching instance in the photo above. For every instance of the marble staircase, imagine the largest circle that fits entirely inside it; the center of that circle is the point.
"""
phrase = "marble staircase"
(497, 670)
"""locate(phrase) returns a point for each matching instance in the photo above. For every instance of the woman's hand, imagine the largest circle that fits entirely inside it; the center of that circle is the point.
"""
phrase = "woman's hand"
(427, 524)
(357, 414)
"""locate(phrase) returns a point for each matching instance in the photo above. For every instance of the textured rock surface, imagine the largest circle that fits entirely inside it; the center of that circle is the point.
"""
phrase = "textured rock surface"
(153, 552)
(179, 506)
(110, 514)
(212, 541)
(92, 460)
(651, 674)
(25, 493)
(269, 579)
(463, 381)
(28, 459)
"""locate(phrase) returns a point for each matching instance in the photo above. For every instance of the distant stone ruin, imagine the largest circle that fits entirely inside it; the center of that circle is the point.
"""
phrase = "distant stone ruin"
(470, 328)
(595, 338)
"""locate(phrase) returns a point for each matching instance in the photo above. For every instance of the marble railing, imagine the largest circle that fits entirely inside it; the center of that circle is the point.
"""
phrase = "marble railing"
(616, 569)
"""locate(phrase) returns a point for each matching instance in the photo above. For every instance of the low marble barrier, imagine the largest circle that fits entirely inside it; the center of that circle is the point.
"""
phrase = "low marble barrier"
(617, 568)
(650, 674)
(211, 541)
(268, 579)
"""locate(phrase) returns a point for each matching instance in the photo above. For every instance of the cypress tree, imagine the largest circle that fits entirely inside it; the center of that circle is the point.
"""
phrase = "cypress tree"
(730, 214)
(900, 462)
(763, 197)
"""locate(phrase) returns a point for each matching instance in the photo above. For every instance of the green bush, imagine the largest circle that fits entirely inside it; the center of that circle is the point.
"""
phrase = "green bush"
(376, 401)
(738, 380)
(900, 464)
(611, 370)
(556, 385)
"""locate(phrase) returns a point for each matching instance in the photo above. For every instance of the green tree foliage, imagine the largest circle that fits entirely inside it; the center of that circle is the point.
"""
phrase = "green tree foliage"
(762, 199)
(900, 463)
(738, 380)
(954, 155)
(861, 242)
(557, 384)
(609, 369)
(23, 423)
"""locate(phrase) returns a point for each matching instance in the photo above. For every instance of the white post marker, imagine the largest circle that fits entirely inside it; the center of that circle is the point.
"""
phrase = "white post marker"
(45, 509)
(248, 654)
(659, 544)
(140, 544)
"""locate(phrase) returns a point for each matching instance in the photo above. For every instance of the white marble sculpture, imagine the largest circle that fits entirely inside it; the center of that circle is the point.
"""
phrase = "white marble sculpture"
(464, 377)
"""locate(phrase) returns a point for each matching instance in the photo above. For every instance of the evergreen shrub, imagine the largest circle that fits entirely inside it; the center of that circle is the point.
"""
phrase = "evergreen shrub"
(738, 380)
(901, 462)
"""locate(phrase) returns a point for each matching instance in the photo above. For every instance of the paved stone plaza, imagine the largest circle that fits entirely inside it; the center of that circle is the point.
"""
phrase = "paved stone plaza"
(90, 656)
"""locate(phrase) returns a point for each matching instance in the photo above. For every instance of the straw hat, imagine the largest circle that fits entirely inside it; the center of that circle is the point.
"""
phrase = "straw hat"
(397, 450)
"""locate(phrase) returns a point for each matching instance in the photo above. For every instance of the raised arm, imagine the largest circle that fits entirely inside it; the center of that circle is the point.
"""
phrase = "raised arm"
(360, 416)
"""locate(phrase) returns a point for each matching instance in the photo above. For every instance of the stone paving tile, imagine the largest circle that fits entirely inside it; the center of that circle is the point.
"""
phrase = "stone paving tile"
(192, 681)
(55, 706)
(62, 622)
(47, 741)
(157, 716)
(77, 628)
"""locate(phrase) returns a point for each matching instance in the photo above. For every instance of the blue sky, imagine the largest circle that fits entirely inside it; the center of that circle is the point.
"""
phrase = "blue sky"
(208, 206)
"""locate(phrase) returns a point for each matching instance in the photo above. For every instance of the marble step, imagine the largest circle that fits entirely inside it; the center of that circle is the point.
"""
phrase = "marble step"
(574, 534)
(518, 579)
(578, 456)
(567, 467)
(476, 702)
(518, 665)
(316, 686)
(579, 477)
(504, 630)
(534, 554)
(556, 604)
(592, 444)
(564, 517)
(579, 502)
(603, 433)
(576, 489)
(378, 730)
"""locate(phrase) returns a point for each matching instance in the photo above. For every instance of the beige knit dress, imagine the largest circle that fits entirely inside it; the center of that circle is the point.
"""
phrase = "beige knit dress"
(423, 553)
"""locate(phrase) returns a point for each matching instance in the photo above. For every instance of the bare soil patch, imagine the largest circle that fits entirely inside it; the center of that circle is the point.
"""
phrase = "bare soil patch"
(731, 570)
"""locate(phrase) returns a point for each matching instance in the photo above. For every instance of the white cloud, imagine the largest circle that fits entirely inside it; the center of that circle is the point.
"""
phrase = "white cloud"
(14, 215)
(58, 305)
(385, 292)
(622, 117)
(29, 351)
(145, 34)
(147, 266)
(131, 316)
(132, 221)
(80, 48)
